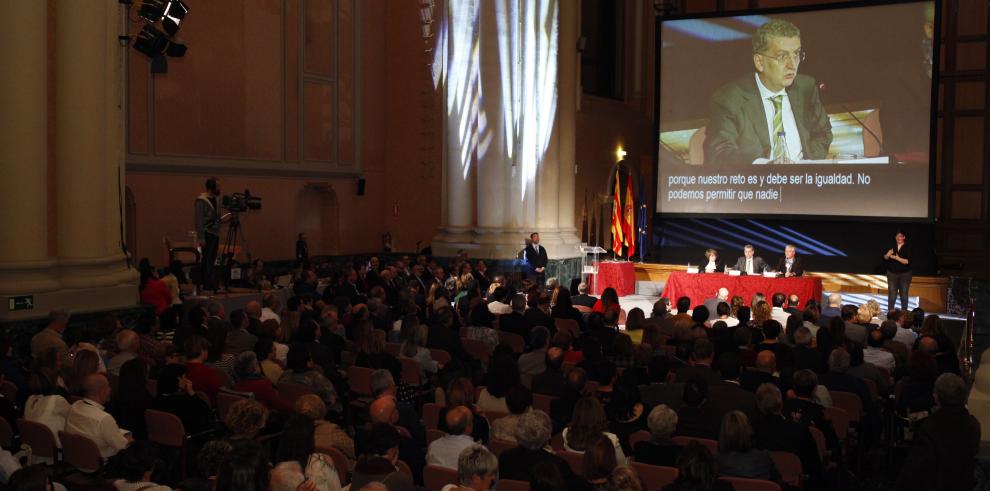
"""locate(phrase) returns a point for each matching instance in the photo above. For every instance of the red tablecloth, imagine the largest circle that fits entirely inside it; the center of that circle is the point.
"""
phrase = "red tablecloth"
(703, 286)
(620, 275)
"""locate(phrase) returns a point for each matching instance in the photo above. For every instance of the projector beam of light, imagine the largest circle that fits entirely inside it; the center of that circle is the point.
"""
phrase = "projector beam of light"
(527, 63)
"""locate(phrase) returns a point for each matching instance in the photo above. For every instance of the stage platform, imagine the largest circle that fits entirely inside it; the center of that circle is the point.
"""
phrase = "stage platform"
(931, 293)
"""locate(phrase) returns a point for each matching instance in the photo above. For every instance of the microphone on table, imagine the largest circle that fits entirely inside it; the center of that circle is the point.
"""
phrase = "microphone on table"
(821, 92)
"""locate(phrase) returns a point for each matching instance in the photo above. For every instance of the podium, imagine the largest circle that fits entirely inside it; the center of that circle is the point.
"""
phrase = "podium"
(589, 264)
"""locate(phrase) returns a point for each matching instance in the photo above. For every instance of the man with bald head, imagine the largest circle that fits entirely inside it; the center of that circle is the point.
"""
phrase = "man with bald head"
(87, 417)
(384, 410)
(444, 451)
(551, 381)
(762, 373)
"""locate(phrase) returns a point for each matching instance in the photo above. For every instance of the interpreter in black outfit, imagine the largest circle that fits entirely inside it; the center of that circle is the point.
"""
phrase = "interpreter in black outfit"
(898, 263)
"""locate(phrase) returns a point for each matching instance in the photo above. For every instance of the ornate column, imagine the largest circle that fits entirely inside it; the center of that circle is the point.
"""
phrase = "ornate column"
(521, 187)
(567, 88)
(461, 123)
(89, 153)
(25, 266)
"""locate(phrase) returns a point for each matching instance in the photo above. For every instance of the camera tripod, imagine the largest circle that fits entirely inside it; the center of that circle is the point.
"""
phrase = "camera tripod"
(229, 247)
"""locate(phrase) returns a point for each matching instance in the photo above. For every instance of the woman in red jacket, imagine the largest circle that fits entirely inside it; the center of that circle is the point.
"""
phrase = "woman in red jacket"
(154, 291)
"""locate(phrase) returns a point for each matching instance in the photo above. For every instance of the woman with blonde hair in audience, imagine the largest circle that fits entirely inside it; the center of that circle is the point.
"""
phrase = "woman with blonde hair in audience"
(325, 433)
(598, 463)
(761, 314)
(587, 424)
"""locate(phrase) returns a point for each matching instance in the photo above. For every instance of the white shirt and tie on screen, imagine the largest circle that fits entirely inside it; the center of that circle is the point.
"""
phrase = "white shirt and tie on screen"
(785, 145)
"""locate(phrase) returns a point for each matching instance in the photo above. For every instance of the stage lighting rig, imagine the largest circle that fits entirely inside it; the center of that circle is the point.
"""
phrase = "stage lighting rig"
(154, 43)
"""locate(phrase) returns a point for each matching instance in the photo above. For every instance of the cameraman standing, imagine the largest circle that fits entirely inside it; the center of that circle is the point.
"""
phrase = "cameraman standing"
(208, 231)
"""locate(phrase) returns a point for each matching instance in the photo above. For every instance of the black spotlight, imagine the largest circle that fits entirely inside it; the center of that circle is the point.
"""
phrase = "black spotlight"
(152, 10)
(175, 11)
(151, 41)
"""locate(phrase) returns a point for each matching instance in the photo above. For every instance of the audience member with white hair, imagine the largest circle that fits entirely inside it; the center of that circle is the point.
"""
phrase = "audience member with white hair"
(659, 449)
(128, 342)
(477, 469)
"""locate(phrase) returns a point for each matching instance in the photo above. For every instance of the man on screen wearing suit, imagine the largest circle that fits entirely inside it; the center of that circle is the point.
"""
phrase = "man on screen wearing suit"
(536, 258)
(748, 114)
(790, 265)
(750, 263)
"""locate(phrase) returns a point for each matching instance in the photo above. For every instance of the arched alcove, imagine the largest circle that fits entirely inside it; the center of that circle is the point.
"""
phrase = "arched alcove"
(318, 216)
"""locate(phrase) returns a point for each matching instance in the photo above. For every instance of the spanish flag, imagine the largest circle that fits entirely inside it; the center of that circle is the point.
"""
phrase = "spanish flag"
(630, 220)
(617, 225)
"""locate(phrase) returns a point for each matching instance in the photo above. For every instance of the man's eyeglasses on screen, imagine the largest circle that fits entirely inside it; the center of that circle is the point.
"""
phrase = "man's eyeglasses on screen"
(782, 58)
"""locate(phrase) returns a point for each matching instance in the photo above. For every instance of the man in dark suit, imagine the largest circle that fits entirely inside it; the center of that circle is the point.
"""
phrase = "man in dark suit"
(749, 262)
(790, 265)
(749, 115)
(582, 298)
(659, 391)
(726, 395)
(480, 274)
(762, 373)
(836, 378)
(562, 408)
(793, 305)
(702, 356)
(691, 417)
(538, 313)
(442, 335)
(804, 356)
(801, 408)
(945, 443)
(551, 381)
(515, 322)
(536, 259)
(774, 432)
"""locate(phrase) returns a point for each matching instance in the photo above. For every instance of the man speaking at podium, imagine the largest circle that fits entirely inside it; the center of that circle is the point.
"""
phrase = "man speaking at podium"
(775, 113)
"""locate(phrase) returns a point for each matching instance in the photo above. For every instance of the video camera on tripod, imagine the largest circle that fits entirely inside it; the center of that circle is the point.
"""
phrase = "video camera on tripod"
(238, 202)
(234, 204)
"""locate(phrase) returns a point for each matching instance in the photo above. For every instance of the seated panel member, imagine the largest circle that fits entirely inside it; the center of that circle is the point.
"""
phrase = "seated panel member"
(713, 265)
(748, 113)
(750, 263)
(790, 264)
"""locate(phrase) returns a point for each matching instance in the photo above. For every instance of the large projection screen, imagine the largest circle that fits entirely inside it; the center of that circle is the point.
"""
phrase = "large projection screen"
(815, 112)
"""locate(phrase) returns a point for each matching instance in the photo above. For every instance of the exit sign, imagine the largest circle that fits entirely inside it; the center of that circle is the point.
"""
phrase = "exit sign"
(23, 302)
